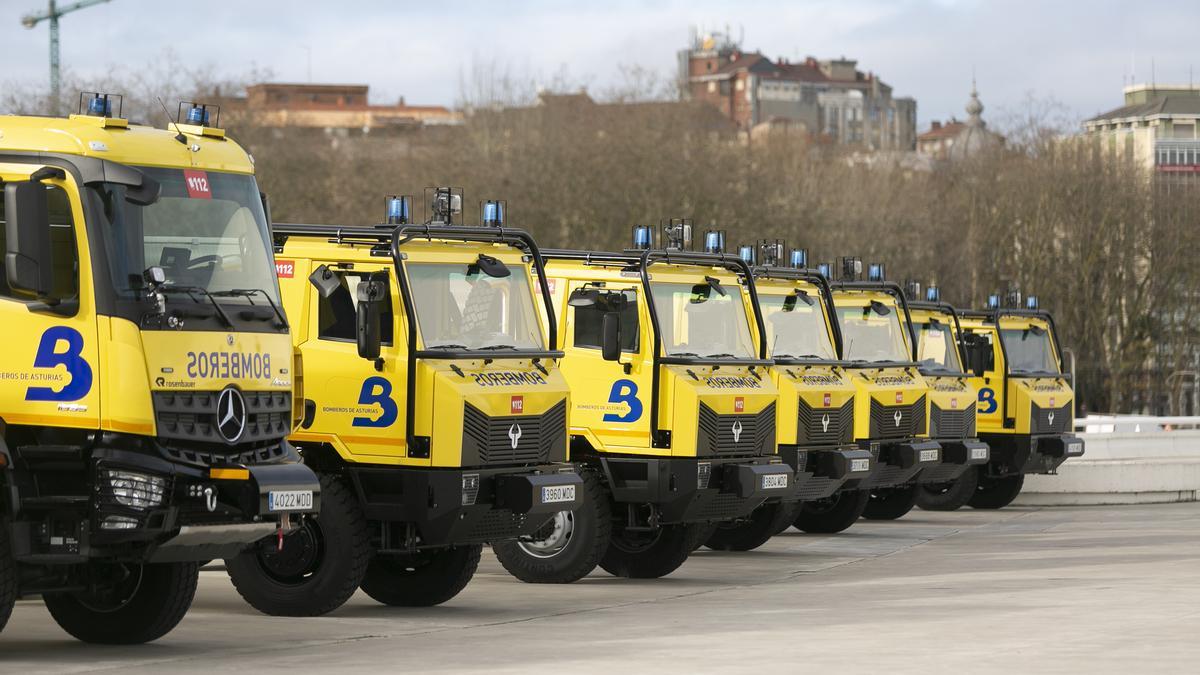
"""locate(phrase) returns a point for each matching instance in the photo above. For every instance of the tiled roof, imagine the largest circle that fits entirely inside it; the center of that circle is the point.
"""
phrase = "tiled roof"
(947, 130)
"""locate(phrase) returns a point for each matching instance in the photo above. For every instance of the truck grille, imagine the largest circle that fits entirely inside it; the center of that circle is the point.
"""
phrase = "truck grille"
(952, 423)
(1051, 420)
(886, 424)
(190, 417)
(755, 434)
(516, 439)
(825, 426)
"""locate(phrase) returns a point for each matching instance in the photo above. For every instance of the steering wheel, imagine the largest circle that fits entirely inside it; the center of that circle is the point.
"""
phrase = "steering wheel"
(197, 263)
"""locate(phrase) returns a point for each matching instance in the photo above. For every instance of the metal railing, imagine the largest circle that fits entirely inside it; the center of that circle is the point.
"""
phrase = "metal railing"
(1124, 424)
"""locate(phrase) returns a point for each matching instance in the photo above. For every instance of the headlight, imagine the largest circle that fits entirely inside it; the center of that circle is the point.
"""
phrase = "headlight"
(118, 523)
(136, 490)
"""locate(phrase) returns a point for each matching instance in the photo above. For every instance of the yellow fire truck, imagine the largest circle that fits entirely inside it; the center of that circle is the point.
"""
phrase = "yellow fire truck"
(147, 388)
(436, 415)
(672, 408)
(1026, 407)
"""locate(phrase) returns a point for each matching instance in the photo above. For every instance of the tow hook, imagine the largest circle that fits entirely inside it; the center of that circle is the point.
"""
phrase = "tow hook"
(285, 525)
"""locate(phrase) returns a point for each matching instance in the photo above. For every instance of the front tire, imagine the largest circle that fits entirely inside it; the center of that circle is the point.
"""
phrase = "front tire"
(8, 575)
(568, 547)
(996, 493)
(949, 496)
(765, 522)
(649, 555)
(144, 604)
(321, 565)
(832, 515)
(890, 503)
(421, 579)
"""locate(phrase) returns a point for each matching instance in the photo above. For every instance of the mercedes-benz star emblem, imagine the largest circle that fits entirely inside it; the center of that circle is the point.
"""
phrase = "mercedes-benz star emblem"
(231, 414)
(898, 417)
(737, 430)
(229, 339)
(824, 423)
(514, 434)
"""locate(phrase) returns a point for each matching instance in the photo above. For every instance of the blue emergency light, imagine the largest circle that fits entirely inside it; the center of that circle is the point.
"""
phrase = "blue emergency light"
(198, 115)
(1031, 302)
(746, 253)
(875, 272)
(825, 269)
(993, 301)
(799, 258)
(933, 293)
(641, 237)
(493, 213)
(714, 241)
(398, 209)
(100, 106)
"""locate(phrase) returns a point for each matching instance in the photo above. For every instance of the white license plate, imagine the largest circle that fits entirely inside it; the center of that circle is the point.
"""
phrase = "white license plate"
(860, 465)
(553, 494)
(929, 455)
(979, 453)
(290, 500)
(1075, 448)
(774, 481)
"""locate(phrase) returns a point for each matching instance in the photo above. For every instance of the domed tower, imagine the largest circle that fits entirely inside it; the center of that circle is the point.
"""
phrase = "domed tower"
(974, 136)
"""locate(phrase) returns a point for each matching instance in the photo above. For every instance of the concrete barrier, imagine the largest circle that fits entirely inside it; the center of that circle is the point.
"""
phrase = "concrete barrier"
(1123, 468)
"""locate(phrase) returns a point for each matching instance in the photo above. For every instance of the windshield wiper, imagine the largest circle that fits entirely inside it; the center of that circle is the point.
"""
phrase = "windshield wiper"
(189, 290)
(801, 356)
(447, 346)
(497, 347)
(249, 293)
(719, 356)
(691, 354)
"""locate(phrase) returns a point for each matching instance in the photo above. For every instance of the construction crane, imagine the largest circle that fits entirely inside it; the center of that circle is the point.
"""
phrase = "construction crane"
(52, 13)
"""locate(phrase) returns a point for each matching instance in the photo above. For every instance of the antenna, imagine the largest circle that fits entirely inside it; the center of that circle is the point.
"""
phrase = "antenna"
(179, 136)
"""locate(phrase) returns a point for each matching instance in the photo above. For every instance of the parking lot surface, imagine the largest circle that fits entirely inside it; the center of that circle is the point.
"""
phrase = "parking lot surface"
(1100, 589)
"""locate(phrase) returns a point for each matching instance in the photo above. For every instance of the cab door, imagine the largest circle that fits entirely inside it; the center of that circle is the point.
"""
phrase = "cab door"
(50, 370)
(609, 405)
(990, 403)
(359, 402)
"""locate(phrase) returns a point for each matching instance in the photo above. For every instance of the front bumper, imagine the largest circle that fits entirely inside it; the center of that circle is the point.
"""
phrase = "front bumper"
(820, 472)
(692, 489)
(143, 507)
(898, 463)
(1012, 454)
(958, 455)
(461, 506)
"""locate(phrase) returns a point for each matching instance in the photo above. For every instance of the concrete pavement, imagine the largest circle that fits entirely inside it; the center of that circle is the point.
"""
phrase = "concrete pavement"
(1100, 589)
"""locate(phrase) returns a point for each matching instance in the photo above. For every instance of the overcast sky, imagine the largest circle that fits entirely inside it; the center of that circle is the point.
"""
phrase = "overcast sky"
(1080, 53)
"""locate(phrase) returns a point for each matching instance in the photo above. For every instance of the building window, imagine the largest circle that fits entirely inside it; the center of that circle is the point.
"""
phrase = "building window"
(712, 87)
(739, 85)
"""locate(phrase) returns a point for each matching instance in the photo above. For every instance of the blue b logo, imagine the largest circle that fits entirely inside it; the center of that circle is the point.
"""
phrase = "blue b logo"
(49, 356)
(377, 390)
(624, 391)
(987, 397)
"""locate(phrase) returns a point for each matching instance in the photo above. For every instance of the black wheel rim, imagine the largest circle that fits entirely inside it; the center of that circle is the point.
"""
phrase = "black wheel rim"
(636, 541)
(111, 598)
(299, 558)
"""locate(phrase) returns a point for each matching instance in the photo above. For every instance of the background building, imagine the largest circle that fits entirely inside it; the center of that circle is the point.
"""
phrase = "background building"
(331, 107)
(955, 140)
(1155, 128)
(831, 99)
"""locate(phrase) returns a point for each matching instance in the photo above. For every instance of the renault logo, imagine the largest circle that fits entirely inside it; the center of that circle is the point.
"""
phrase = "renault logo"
(898, 416)
(514, 434)
(231, 414)
(737, 430)
(825, 423)
(1050, 418)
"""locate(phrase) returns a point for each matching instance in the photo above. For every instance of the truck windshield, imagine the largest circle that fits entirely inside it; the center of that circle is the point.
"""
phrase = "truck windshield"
(207, 230)
(702, 320)
(1029, 350)
(460, 307)
(936, 347)
(795, 328)
(872, 336)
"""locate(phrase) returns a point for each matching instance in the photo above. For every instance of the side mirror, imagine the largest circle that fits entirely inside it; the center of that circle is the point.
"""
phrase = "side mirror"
(28, 262)
(610, 336)
(976, 349)
(368, 331)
